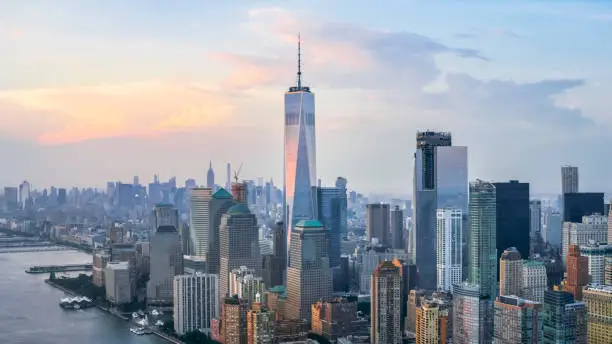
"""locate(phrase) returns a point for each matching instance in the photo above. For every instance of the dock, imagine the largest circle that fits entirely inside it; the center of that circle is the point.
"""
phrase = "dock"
(42, 269)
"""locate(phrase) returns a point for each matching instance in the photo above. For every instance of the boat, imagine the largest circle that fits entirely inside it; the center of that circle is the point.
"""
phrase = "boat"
(134, 315)
(137, 330)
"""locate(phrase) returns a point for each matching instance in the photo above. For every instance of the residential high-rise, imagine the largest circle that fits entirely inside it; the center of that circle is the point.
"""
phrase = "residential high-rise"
(397, 228)
(309, 276)
(210, 177)
(245, 283)
(511, 272)
(427, 323)
(596, 255)
(166, 260)
(414, 301)
(579, 204)
(234, 320)
(472, 315)
(593, 228)
(239, 244)
(517, 321)
(535, 280)
(336, 318)
(483, 253)
(598, 301)
(330, 207)
(512, 219)
(196, 302)
(385, 303)
(449, 250)
(377, 223)
(439, 181)
(260, 324)
(577, 272)
(564, 320)
(300, 173)
(569, 179)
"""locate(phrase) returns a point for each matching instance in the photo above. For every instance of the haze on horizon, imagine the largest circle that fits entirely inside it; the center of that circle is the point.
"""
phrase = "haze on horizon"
(97, 91)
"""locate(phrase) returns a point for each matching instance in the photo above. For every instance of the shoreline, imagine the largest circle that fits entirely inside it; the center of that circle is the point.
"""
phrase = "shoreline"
(154, 331)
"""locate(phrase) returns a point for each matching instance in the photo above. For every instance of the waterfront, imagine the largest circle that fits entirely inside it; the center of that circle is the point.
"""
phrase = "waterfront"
(29, 311)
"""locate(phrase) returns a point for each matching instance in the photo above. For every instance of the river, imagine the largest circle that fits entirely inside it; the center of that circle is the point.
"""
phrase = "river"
(29, 311)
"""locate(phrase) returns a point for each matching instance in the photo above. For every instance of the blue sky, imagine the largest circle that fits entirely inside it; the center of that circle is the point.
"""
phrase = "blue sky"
(103, 90)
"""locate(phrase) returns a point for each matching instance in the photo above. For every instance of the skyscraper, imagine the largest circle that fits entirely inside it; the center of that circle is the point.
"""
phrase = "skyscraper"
(598, 301)
(579, 204)
(246, 284)
(511, 273)
(385, 303)
(196, 302)
(440, 181)
(535, 218)
(535, 280)
(234, 320)
(596, 254)
(577, 272)
(569, 179)
(210, 176)
(472, 315)
(427, 323)
(300, 173)
(397, 228)
(239, 241)
(512, 217)
(592, 228)
(275, 264)
(449, 250)
(517, 321)
(309, 276)
(330, 206)
(377, 223)
(483, 253)
(564, 320)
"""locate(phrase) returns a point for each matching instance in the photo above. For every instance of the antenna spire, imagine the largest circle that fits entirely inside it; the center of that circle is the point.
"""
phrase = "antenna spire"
(299, 72)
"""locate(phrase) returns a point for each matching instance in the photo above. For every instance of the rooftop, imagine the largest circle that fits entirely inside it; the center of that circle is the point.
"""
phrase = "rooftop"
(309, 224)
(238, 209)
(117, 265)
(222, 194)
(601, 288)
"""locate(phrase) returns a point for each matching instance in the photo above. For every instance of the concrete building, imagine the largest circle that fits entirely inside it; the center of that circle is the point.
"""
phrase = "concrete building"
(535, 219)
(260, 324)
(535, 280)
(118, 283)
(397, 229)
(596, 254)
(369, 259)
(564, 320)
(511, 272)
(239, 244)
(414, 301)
(449, 250)
(427, 324)
(472, 315)
(275, 265)
(517, 321)
(166, 261)
(309, 277)
(385, 303)
(336, 318)
(244, 283)
(608, 271)
(577, 275)
(234, 320)
(378, 224)
(598, 301)
(592, 228)
(196, 302)
(100, 260)
(569, 179)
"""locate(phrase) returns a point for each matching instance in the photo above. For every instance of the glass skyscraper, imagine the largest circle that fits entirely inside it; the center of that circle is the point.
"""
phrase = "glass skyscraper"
(300, 153)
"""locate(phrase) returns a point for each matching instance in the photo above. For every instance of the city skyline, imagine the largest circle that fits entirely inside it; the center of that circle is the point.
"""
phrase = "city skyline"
(157, 94)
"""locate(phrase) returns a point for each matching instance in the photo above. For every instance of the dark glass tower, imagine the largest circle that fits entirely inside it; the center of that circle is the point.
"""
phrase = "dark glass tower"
(330, 205)
(513, 221)
(579, 204)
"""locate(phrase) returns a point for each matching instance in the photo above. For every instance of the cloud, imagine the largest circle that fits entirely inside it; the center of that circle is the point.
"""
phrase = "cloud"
(71, 114)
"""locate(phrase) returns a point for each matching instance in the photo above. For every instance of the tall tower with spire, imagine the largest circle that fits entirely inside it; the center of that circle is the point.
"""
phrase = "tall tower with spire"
(300, 152)
(210, 176)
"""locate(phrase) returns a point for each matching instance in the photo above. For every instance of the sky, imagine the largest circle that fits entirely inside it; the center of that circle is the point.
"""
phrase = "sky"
(93, 91)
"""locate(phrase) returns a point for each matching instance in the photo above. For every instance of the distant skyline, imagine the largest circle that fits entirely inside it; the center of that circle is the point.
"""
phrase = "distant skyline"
(98, 91)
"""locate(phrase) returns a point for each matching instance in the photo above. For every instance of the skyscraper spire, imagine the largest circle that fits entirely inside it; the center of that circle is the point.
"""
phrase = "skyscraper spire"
(299, 72)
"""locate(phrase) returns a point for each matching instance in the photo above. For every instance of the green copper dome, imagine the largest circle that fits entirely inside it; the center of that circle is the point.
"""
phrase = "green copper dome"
(222, 194)
(238, 209)
(309, 224)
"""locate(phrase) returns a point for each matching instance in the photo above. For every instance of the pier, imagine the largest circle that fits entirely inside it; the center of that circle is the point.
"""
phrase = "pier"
(58, 268)
(35, 249)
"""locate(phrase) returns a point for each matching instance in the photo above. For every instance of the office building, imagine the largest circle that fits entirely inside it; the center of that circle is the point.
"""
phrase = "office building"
(564, 320)
(593, 228)
(535, 280)
(579, 204)
(415, 297)
(100, 260)
(330, 206)
(569, 179)
(511, 272)
(482, 219)
(535, 219)
(513, 218)
(309, 276)
(449, 250)
(336, 318)
(552, 226)
(118, 283)
(472, 315)
(598, 301)
(377, 223)
(577, 275)
(608, 271)
(260, 324)
(275, 264)
(368, 260)
(517, 321)
(245, 283)
(300, 172)
(596, 254)
(239, 243)
(439, 181)
(234, 322)
(210, 177)
(427, 323)
(385, 303)
(397, 229)
(166, 261)
(196, 302)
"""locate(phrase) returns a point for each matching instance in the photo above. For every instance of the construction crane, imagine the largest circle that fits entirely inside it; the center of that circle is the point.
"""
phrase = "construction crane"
(237, 173)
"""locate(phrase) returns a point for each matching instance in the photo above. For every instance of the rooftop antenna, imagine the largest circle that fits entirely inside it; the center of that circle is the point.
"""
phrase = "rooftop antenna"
(299, 73)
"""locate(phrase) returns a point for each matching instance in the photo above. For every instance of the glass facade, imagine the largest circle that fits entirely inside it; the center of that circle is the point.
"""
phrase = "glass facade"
(300, 157)
(331, 211)
(452, 177)
(483, 254)
(472, 316)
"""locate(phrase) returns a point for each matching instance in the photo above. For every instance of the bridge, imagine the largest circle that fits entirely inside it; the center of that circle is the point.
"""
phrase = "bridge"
(35, 249)
(41, 269)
